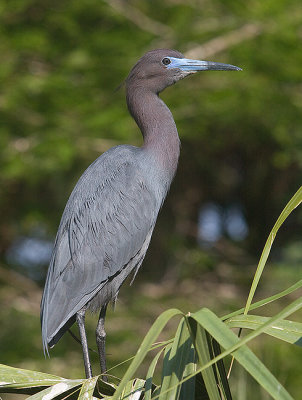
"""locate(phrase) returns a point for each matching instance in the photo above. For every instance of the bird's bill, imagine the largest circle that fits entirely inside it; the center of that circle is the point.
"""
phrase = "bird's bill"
(188, 65)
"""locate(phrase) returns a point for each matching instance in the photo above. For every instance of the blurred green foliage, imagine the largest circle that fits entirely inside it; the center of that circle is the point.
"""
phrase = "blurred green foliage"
(241, 132)
(61, 62)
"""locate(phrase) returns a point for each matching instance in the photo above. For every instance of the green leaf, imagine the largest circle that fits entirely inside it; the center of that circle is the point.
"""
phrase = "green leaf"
(150, 373)
(87, 389)
(175, 362)
(26, 378)
(223, 382)
(188, 388)
(133, 389)
(229, 341)
(202, 349)
(268, 300)
(291, 205)
(165, 366)
(28, 382)
(54, 391)
(146, 345)
(288, 331)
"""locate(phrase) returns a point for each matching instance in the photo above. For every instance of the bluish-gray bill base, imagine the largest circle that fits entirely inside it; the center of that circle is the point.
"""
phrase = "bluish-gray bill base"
(109, 218)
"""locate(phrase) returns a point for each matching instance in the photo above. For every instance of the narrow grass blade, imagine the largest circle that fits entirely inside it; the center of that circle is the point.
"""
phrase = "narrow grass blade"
(165, 365)
(221, 372)
(133, 389)
(200, 342)
(17, 380)
(87, 389)
(291, 205)
(288, 331)
(175, 362)
(150, 373)
(105, 388)
(154, 346)
(17, 377)
(55, 391)
(187, 390)
(268, 300)
(149, 339)
(228, 340)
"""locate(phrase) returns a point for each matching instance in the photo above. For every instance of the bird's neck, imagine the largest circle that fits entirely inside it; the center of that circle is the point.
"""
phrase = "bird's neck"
(157, 125)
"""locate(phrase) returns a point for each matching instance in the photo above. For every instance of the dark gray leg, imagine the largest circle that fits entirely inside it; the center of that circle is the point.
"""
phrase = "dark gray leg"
(80, 317)
(100, 340)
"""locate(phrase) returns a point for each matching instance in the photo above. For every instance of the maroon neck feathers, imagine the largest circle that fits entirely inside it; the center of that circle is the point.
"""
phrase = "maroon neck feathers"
(157, 125)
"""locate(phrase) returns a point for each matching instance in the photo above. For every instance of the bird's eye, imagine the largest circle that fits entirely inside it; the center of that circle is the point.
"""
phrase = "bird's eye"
(166, 61)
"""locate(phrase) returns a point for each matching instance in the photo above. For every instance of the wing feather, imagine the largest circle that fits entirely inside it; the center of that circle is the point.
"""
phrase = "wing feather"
(107, 219)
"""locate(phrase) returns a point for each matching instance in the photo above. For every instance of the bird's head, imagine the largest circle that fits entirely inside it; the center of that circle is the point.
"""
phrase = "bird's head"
(160, 68)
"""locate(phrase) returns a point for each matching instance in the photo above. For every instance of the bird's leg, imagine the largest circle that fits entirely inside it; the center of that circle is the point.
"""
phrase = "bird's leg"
(80, 317)
(101, 339)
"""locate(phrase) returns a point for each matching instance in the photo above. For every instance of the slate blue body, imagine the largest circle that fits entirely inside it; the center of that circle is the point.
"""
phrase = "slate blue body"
(109, 218)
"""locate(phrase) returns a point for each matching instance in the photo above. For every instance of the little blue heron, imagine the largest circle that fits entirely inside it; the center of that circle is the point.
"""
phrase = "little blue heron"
(109, 218)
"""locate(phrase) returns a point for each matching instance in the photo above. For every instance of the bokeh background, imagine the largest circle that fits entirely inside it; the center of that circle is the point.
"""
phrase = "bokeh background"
(241, 134)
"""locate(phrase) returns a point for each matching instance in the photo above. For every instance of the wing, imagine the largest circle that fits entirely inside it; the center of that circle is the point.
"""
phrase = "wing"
(107, 219)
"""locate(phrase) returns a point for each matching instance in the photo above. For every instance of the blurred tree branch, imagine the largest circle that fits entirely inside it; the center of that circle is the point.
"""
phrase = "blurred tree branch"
(224, 42)
(140, 19)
